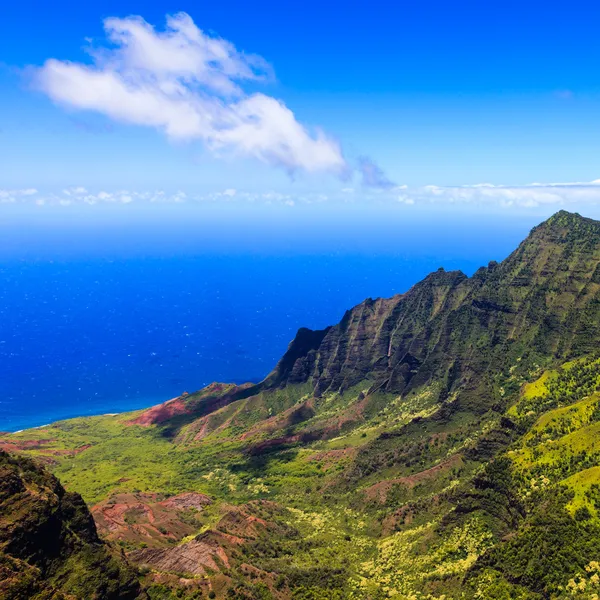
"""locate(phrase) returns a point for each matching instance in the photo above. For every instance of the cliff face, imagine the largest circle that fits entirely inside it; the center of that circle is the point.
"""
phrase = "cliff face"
(49, 547)
(542, 303)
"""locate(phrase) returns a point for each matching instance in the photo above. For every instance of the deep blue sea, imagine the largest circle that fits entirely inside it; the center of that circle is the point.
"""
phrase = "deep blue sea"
(100, 319)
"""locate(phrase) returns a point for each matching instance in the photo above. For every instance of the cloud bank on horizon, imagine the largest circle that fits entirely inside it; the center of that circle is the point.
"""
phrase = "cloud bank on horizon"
(189, 85)
(536, 195)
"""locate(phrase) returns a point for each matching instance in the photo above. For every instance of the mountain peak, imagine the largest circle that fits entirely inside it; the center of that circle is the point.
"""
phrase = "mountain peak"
(566, 228)
(563, 219)
(562, 214)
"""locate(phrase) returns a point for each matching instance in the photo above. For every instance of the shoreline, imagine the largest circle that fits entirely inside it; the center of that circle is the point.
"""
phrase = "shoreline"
(146, 405)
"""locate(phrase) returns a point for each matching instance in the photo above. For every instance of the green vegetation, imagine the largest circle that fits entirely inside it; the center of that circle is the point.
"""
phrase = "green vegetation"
(49, 548)
(442, 444)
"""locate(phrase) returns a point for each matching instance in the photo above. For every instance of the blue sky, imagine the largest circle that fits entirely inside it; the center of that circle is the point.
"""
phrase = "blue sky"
(439, 96)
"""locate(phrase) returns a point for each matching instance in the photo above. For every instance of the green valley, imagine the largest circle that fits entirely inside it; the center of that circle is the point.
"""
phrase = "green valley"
(440, 444)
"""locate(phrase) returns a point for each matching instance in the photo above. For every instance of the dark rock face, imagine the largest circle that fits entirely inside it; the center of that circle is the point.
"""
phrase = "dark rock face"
(297, 363)
(541, 303)
(49, 547)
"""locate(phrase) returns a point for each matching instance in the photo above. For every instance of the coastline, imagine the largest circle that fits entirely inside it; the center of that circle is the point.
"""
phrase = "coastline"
(21, 425)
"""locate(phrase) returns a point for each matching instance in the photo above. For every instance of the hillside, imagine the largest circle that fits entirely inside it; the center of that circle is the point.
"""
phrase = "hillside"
(443, 443)
(49, 547)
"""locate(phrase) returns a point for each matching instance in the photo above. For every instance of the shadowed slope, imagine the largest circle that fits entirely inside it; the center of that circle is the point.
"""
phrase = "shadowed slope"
(49, 547)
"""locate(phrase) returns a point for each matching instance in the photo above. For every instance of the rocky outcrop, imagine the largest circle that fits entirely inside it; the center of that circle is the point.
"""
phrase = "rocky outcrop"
(206, 553)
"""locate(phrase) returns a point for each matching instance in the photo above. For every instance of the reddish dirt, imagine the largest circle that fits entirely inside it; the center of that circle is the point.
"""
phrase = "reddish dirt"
(196, 557)
(15, 445)
(213, 549)
(204, 402)
(160, 413)
(330, 458)
(405, 515)
(205, 425)
(148, 518)
(63, 452)
(187, 500)
(203, 428)
(352, 415)
(44, 452)
(242, 525)
(320, 431)
(276, 422)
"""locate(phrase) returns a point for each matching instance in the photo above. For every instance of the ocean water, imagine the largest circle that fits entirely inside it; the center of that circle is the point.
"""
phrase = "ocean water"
(93, 321)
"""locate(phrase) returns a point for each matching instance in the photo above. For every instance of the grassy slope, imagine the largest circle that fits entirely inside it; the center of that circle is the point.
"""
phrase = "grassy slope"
(345, 520)
(377, 509)
(379, 514)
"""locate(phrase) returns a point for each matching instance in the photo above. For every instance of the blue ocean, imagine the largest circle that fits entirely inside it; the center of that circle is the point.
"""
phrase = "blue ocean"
(102, 317)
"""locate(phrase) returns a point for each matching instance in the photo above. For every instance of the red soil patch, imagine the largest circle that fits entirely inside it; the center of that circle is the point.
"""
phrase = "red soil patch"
(196, 557)
(160, 413)
(320, 431)
(278, 421)
(330, 458)
(213, 549)
(146, 518)
(404, 516)
(204, 402)
(187, 500)
(46, 453)
(14, 445)
(64, 452)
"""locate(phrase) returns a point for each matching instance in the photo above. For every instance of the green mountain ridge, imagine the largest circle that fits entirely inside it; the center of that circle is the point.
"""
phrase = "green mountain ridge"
(442, 443)
(437, 326)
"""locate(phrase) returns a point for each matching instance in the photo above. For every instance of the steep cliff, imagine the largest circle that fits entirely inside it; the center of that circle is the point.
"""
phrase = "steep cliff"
(540, 304)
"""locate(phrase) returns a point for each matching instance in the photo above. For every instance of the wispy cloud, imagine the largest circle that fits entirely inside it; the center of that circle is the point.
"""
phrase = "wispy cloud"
(372, 175)
(528, 196)
(10, 196)
(190, 85)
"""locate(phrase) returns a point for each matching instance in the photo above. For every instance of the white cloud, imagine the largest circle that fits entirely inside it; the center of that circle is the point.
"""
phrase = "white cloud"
(75, 191)
(188, 84)
(12, 196)
(17, 193)
(527, 196)
(404, 199)
(573, 195)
